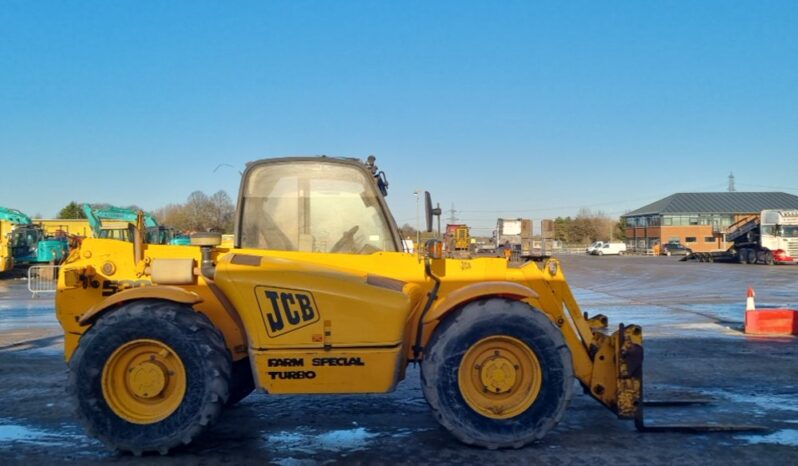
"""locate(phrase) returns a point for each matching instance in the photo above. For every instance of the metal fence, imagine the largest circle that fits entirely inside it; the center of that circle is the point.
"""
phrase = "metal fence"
(42, 278)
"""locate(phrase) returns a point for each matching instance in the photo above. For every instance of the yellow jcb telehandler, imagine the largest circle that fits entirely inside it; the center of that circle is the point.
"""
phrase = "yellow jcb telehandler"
(315, 295)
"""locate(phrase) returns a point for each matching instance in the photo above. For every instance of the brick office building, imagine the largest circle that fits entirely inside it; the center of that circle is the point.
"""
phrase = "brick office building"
(697, 220)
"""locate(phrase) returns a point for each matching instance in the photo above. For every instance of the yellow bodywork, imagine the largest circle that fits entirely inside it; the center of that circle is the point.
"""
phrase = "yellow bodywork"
(314, 319)
(6, 258)
(72, 226)
(346, 321)
(116, 229)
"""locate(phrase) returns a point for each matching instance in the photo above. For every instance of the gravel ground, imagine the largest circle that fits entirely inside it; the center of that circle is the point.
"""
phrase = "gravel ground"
(691, 314)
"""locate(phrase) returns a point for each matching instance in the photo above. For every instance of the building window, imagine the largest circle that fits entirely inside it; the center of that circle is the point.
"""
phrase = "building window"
(690, 239)
(709, 239)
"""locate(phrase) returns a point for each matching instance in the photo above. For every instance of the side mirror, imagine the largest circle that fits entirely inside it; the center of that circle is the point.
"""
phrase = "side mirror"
(429, 211)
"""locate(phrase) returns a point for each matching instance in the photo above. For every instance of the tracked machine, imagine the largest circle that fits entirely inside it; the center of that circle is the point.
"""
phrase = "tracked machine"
(315, 296)
(22, 242)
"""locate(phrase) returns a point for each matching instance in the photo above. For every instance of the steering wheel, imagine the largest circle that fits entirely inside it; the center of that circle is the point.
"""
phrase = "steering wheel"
(347, 241)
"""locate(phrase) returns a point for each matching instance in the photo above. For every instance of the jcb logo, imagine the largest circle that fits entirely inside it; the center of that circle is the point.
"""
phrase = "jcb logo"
(285, 310)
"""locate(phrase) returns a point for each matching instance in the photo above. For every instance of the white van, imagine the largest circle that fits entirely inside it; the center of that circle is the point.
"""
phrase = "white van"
(608, 249)
(594, 246)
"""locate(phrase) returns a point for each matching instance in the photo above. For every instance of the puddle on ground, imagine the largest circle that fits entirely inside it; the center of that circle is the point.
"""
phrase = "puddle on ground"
(14, 433)
(22, 317)
(788, 437)
(763, 401)
(311, 443)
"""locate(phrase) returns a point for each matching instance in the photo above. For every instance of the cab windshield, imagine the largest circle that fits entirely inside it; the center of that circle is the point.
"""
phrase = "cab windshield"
(789, 231)
(313, 207)
(24, 240)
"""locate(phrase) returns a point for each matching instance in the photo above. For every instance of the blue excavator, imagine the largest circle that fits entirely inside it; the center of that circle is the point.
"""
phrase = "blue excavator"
(119, 223)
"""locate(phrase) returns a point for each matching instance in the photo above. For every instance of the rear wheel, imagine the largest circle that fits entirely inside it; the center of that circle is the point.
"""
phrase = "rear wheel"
(498, 374)
(149, 376)
(768, 259)
(751, 256)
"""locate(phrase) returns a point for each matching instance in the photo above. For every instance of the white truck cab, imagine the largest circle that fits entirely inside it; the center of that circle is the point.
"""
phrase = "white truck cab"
(779, 234)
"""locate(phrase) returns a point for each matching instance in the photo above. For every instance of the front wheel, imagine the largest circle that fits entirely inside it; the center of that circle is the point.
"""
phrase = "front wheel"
(149, 376)
(498, 374)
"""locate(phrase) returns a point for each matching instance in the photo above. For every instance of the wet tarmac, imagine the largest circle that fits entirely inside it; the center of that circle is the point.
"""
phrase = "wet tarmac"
(692, 315)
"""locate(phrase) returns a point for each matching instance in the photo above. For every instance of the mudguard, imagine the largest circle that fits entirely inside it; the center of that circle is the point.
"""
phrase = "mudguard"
(165, 292)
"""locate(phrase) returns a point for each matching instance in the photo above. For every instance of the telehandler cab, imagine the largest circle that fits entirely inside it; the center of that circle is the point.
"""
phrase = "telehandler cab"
(317, 296)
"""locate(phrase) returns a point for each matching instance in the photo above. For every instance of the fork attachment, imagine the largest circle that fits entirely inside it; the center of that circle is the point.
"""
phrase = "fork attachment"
(617, 381)
(640, 423)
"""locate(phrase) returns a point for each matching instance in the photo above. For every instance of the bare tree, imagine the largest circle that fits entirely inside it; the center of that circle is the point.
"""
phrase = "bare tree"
(200, 212)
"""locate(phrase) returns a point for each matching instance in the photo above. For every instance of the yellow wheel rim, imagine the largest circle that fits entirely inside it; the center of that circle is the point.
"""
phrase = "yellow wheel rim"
(500, 377)
(144, 381)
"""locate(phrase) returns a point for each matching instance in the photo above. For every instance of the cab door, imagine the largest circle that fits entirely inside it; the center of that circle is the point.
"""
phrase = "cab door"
(308, 233)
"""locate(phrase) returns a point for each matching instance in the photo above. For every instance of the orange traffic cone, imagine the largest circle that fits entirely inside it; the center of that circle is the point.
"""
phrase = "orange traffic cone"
(749, 301)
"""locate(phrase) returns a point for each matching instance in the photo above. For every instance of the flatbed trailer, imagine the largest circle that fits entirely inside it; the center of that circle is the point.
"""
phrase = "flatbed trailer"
(730, 256)
(733, 255)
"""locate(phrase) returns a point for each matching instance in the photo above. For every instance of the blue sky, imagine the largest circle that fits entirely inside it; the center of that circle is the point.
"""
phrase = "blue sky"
(505, 108)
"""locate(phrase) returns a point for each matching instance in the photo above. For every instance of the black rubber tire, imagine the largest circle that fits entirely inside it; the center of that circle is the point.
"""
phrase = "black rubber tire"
(241, 382)
(768, 259)
(742, 256)
(752, 259)
(200, 347)
(475, 321)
